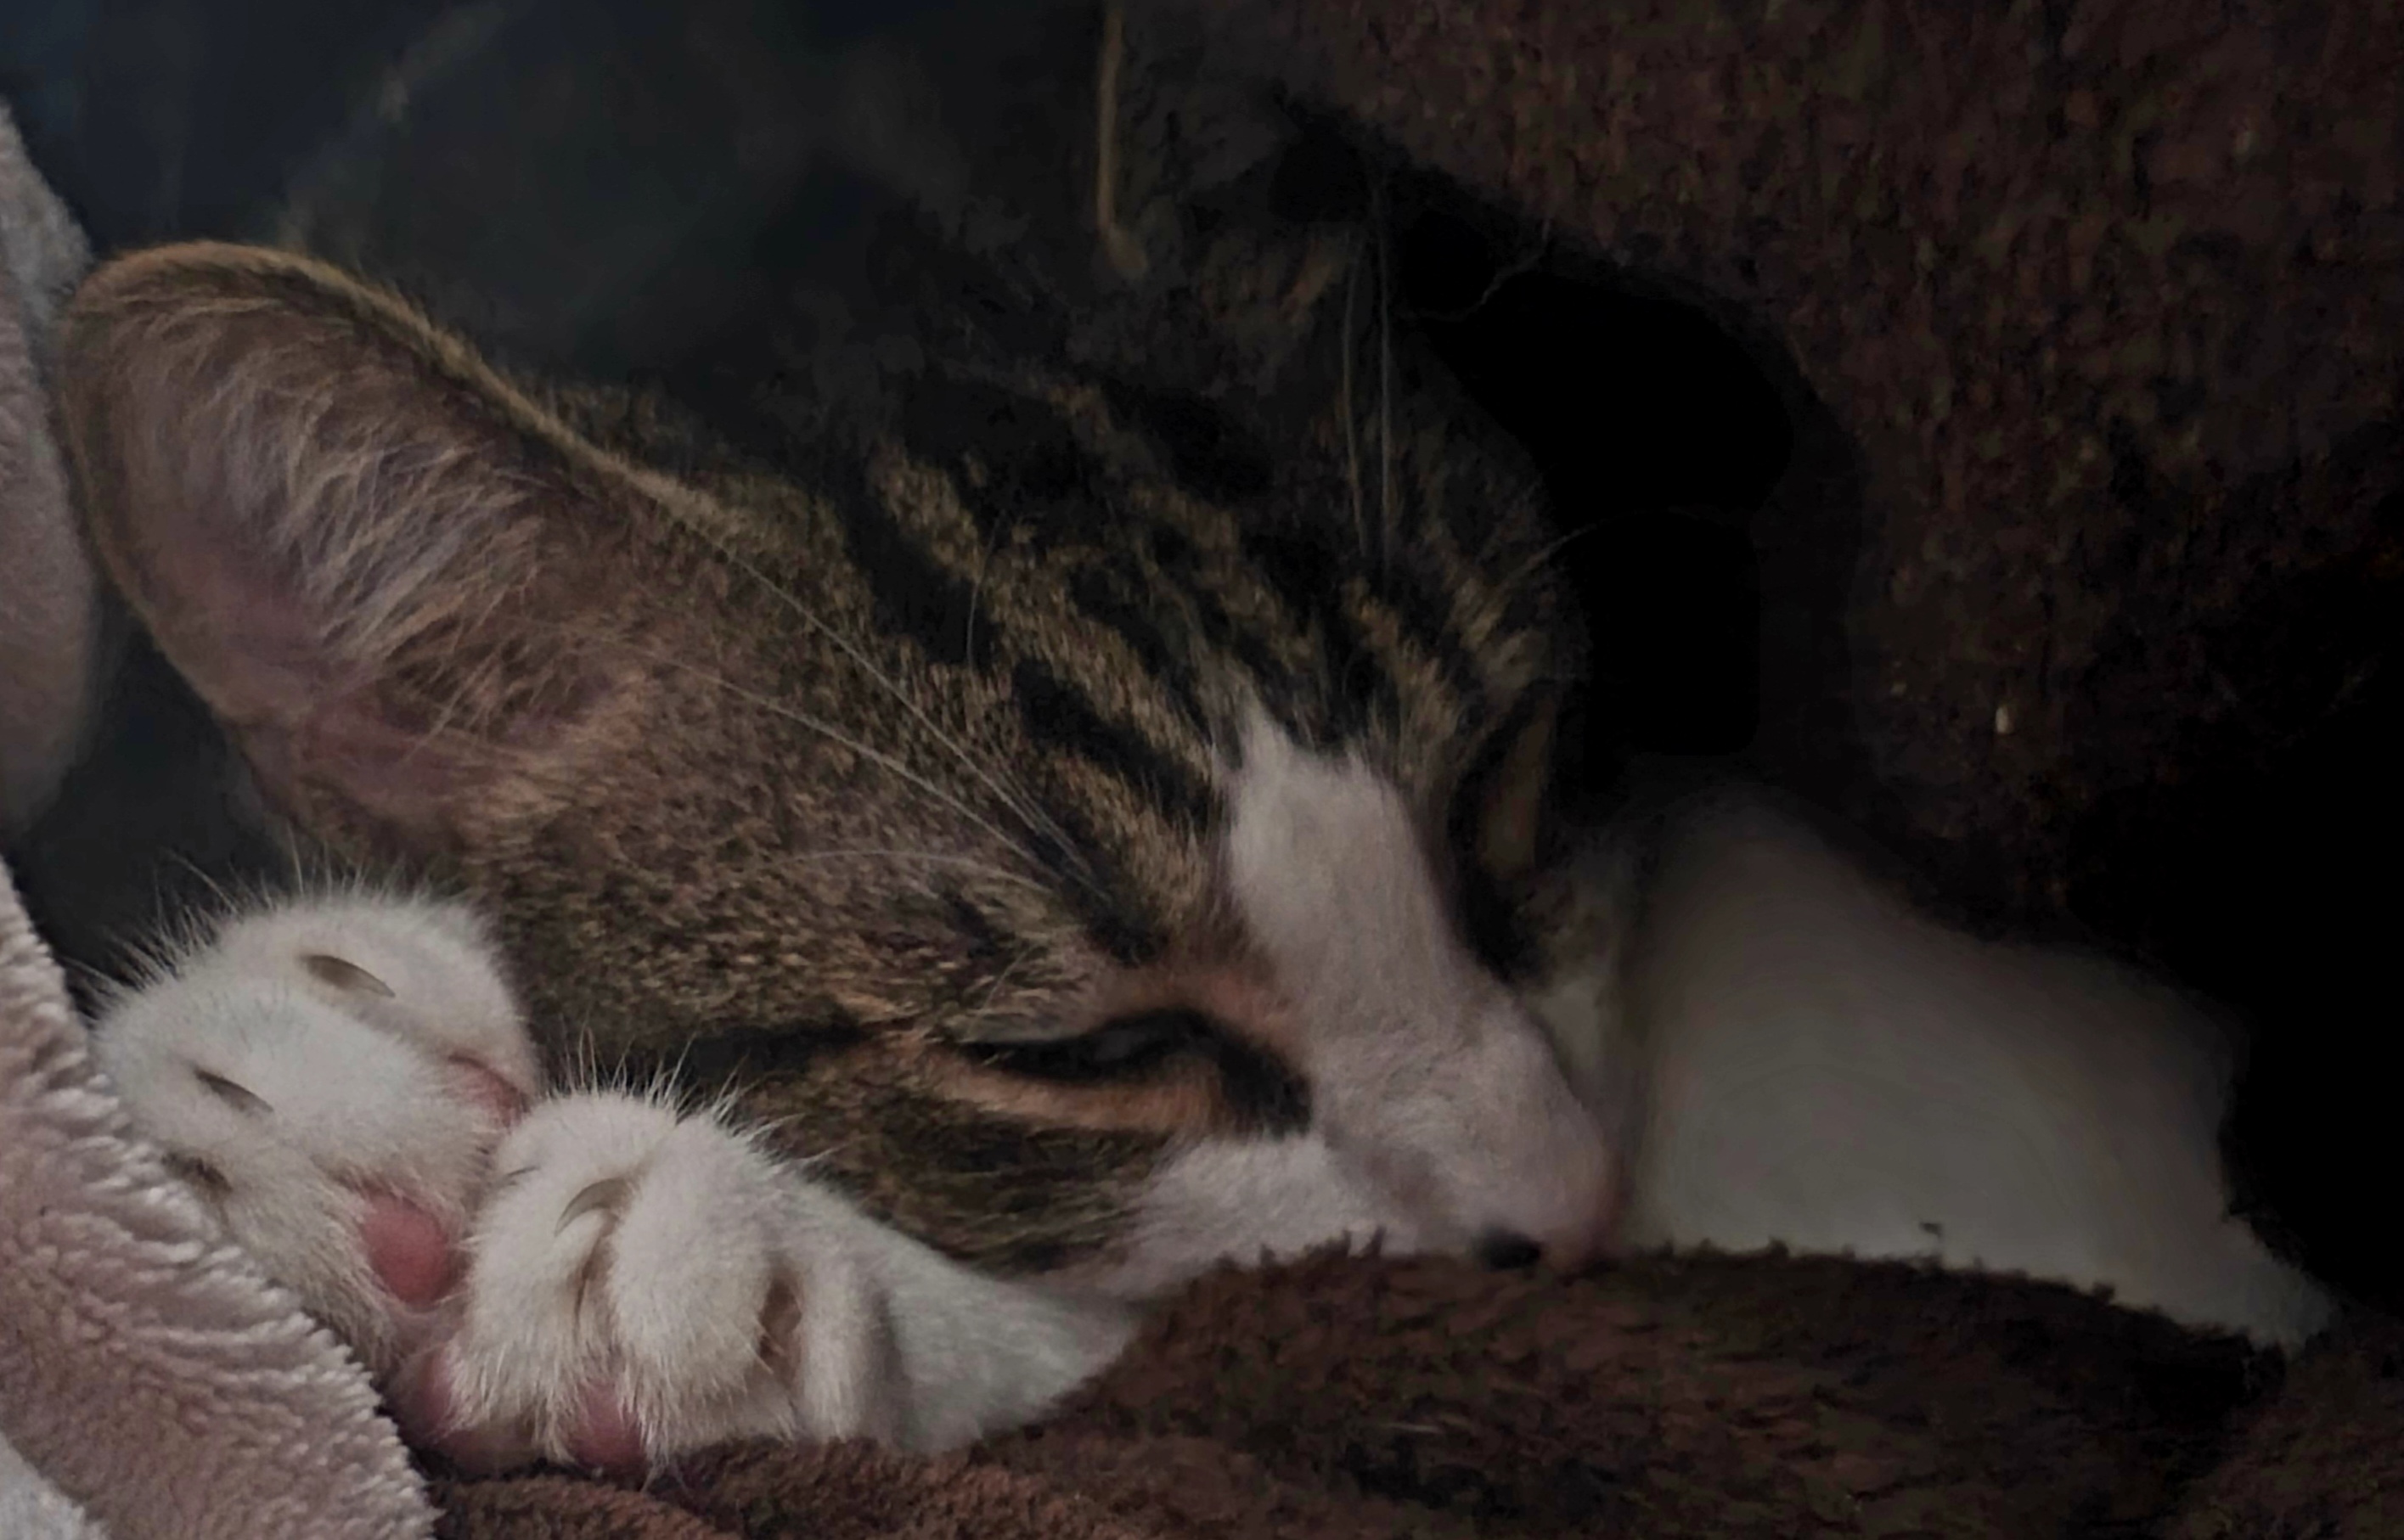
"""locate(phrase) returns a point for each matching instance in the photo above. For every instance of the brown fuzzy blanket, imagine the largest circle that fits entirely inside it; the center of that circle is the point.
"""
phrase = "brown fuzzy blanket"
(1702, 1396)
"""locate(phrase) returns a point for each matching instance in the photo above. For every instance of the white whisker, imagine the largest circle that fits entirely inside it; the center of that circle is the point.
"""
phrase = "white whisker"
(1010, 797)
(1344, 405)
(968, 863)
(836, 735)
(1385, 386)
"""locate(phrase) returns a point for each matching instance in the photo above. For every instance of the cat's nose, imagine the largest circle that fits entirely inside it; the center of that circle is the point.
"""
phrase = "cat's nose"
(1564, 1251)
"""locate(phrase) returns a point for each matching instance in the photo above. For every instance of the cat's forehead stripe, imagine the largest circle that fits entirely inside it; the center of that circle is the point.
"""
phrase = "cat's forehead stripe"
(1095, 890)
(1067, 721)
(1108, 598)
(1426, 617)
(913, 592)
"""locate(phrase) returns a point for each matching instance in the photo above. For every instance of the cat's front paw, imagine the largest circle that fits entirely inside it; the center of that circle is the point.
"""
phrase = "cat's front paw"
(330, 1076)
(642, 1284)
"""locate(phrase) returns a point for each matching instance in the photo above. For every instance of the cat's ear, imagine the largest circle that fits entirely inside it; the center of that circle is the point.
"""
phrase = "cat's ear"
(403, 585)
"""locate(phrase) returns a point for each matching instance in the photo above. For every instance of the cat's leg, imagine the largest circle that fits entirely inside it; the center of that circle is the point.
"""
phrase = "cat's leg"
(645, 1282)
(330, 1076)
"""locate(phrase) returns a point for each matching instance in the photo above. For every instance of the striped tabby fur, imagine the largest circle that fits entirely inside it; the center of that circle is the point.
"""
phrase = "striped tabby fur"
(874, 769)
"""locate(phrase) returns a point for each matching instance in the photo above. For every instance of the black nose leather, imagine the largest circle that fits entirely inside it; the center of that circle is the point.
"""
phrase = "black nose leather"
(1507, 1252)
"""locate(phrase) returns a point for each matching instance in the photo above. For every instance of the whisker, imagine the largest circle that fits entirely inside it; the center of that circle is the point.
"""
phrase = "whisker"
(832, 733)
(217, 891)
(1012, 798)
(1001, 974)
(876, 757)
(1344, 404)
(669, 1078)
(967, 863)
(1385, 381)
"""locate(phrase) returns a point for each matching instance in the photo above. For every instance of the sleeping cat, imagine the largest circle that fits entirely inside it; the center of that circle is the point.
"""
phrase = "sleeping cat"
(1067, 892)
(1039, 957)
(912, 889)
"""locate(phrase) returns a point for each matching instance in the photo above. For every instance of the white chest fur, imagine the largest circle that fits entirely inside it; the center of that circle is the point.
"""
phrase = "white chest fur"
(1792, 1056)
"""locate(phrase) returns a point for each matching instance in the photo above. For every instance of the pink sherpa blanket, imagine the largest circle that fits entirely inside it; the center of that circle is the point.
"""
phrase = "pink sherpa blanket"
(147, 1370)
(152, 1381)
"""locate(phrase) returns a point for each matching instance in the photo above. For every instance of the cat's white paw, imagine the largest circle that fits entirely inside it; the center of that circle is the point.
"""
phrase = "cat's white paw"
(642, 1282)
(330, 1076)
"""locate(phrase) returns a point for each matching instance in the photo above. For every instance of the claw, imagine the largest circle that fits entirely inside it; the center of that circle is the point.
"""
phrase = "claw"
(242, 1099)
(344, 974)
(780, 1320)
(607, 1193)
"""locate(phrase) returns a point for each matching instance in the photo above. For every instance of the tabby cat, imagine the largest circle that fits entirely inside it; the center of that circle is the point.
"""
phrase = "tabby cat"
(1074, 895)
(866, 899)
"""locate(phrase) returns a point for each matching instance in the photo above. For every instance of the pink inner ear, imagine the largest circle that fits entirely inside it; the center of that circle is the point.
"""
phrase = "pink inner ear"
(366, 554)
(240, 632)
(236, 629)
(310, 718)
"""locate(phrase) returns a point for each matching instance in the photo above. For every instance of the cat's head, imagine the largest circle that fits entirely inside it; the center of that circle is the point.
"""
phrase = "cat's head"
(1078, 868)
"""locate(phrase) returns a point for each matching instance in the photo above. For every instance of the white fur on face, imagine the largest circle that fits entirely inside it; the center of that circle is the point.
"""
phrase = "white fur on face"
(1440, 1117)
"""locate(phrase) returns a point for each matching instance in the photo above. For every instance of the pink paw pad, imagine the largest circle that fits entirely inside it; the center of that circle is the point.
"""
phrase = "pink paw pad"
(478, 1085)
(409, 1250)
(605, 1435)
(602, 1433)
(425, 1406)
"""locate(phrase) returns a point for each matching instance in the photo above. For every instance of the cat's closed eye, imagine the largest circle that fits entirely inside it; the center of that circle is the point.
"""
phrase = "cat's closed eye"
(1252, 1088)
